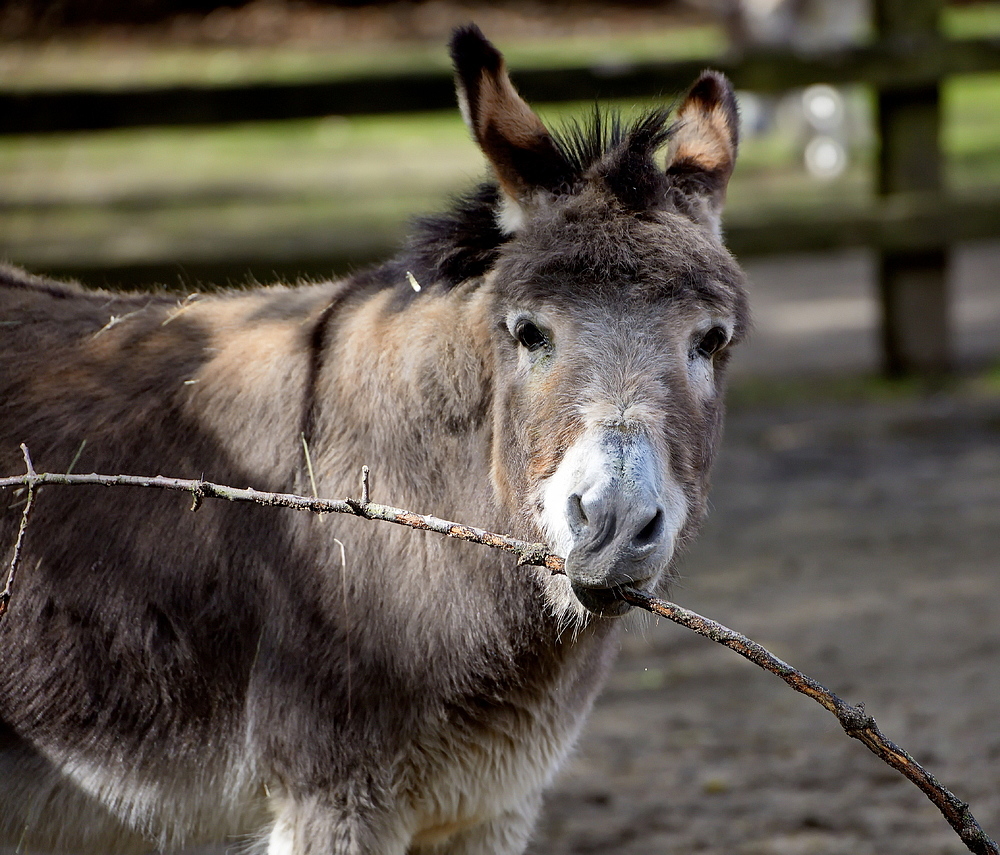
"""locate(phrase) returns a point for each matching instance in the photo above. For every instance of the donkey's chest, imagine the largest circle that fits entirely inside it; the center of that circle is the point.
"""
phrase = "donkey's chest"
(477, 769)
(465, 780)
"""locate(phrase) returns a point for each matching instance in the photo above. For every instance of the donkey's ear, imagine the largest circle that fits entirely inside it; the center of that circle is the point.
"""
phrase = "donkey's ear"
(522, 152)
(703, 146)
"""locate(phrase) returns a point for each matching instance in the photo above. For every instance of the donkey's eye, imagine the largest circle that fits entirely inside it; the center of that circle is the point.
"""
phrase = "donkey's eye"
(528, 335)
(711, 342)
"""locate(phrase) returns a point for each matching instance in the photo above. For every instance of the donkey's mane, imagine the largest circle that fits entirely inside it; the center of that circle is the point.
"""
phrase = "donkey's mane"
(463, 242)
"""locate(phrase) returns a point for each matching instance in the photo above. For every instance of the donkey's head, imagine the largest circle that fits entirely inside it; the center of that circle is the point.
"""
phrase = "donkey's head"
(615, 307)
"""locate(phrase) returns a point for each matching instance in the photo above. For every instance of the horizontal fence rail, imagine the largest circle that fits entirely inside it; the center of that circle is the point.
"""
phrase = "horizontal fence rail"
(889, 64)
(904, 222)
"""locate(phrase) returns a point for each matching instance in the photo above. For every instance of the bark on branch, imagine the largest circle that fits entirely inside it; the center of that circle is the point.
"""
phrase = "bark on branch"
(855, 721)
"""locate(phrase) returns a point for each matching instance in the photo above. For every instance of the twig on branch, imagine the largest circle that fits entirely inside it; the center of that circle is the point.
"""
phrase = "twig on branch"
(30, 480)
(855, 721)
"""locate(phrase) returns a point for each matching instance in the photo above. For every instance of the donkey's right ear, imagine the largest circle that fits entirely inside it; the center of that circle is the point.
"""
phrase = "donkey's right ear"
(522, 152)
(703, 147)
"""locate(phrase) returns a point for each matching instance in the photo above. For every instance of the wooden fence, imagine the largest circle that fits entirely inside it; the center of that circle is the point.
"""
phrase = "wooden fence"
(911, 224)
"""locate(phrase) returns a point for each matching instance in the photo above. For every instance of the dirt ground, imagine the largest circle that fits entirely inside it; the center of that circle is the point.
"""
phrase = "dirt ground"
(861, 543)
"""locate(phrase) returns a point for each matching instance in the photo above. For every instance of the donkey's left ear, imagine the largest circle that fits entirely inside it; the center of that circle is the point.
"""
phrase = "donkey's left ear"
(522, 152)
(703, 146)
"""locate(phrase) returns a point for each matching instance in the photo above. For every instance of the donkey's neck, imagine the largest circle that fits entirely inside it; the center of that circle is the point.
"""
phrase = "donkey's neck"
(407, 392)
(405, 387)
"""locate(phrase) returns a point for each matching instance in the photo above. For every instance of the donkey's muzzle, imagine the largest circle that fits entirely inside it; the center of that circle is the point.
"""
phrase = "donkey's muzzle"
(621, 537)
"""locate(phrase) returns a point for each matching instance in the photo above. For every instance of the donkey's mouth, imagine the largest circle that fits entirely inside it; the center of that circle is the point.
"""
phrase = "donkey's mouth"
(605, 602)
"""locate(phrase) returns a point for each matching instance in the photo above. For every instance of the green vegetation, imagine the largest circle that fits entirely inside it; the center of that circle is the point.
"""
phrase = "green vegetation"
(89, 63)
(971, 137)
(747, 393)
(980, 20)
(147, 193)
(750, 393)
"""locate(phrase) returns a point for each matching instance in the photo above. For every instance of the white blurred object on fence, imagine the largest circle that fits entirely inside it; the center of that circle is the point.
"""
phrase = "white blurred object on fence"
(819, 115)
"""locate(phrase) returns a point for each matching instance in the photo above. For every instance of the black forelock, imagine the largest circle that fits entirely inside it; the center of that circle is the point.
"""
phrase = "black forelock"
(460, 243)
(620, 154)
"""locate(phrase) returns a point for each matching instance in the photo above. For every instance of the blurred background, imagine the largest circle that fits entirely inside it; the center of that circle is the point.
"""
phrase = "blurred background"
(855, 527)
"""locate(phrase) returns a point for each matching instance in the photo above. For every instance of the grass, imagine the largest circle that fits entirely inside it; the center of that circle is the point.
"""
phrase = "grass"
(157, 193)
(154, 190)
(971, 130)
(748, 393)
(90, 63)
(126, 195)
(976, 21)
(754, 392)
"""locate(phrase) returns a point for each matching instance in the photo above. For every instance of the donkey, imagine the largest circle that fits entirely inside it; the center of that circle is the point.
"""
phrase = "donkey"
(331, 685)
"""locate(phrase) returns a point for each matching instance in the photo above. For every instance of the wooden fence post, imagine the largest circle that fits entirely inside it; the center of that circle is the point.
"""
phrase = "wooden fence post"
(913, 287)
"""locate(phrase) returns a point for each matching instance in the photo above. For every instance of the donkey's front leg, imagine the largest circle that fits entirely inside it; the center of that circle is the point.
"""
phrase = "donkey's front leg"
(332, 824)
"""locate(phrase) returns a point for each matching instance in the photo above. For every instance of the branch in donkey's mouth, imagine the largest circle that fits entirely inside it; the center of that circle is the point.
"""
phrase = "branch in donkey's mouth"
(855, 721)
(536, 554)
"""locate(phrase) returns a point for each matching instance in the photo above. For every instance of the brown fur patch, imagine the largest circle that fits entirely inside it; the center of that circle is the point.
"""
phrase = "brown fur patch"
(704, 136)
(548, 455)
(504, 110)
(702, 150)
(519, 147)
(510, 134)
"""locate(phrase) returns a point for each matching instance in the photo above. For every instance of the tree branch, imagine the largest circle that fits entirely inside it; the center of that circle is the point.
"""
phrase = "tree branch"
(30, 480)
(536, 554)
(855, 721)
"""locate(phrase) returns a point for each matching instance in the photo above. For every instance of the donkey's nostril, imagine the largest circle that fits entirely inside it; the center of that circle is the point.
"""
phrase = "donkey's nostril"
(575, 513)
(650, 533)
